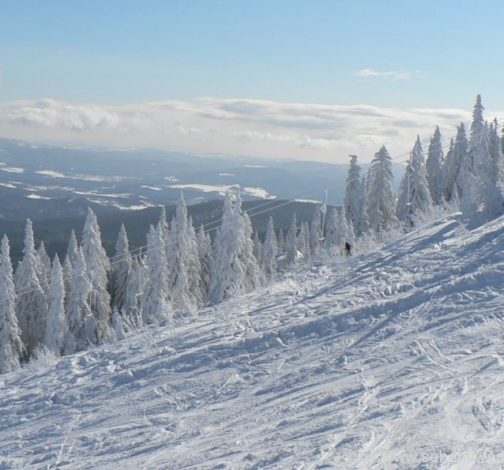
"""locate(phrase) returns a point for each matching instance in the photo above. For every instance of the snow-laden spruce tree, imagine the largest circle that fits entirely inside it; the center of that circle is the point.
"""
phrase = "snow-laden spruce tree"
(380, 197)
(156, 300)
(258, 247)
(69, 262)
(194, 263)
(363, 223)
(270, 250)
(183, 262)
(234, 269)
(56, 330)
(205, 254)
(98, 266)
(291, 243)
(280, 241)
(121, 270)
(44, 268)
(456, 159)
(316, 232)
(11, 345)
(414, 194)
(303, 242)
(31, 305)
(132, 310)
(434, 168)
(81, 321)
(354, 196)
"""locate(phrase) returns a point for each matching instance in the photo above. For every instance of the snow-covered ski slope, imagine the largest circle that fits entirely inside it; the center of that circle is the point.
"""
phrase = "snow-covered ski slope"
(390, 360)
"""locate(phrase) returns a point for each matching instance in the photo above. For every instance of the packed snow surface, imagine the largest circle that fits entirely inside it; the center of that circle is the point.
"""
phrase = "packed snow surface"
(389, 360)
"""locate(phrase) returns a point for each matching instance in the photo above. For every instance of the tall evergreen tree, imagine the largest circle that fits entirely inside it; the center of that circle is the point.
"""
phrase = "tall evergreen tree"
(380, 197)
(316, 232)
(98, 266)
(414, 194)
(81, 321)
(457, 158)
(270, 250)
(11, 345)
(291, 247)
(121, 270)
(44, 267)
(206, 259)
(132, 310)
(354, 196)
(56, 330)
(234, 270)
(69, 262)
(434, 168)
(31, 306)
(156, 304)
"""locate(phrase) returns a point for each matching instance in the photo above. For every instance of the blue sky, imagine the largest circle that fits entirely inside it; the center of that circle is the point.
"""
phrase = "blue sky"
(405, 54)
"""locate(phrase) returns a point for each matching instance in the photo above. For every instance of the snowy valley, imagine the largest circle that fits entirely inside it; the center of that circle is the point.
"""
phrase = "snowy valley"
(387, 360)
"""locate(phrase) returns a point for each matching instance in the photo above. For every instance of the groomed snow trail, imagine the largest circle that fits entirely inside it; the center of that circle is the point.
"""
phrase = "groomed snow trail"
(390, 360)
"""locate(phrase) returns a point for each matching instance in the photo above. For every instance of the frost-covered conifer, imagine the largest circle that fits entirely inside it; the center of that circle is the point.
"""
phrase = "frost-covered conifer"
(183, 262)
(206, 258)
(132, 310)
(44, 267)
(270, 250)
(98, 266)
(291, 242)
(121, 270)
(281, 241)
(354, 196)
(11, 346)
(414, 194)
(234, 269)
(155, 305)
(70, 258)
(303, 242)
(31, 306)
(258, 247)
(380, 197)
(316, 232)
(81, 321)
(56, 329)
(456, 159)
(434, 168)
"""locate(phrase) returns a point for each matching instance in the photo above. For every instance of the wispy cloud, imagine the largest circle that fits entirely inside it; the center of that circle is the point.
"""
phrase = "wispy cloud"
(393, 75)
(230, 126)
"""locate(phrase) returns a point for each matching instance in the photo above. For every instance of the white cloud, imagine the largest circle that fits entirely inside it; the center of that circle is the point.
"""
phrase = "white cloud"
(260, 128)
(393, 75)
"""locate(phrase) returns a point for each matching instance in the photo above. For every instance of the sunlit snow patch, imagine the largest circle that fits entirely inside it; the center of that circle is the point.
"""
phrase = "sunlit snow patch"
(222, 188)
(51, 174)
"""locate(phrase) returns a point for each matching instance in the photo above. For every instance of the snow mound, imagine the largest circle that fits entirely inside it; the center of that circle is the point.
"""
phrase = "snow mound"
(390, 360)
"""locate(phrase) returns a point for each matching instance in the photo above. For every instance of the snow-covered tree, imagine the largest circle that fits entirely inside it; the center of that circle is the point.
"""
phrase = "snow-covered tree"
(121, 270)
(31, 306)
(132, 309)
(354, 196)
(280, 241)
(492, 174)
(316, 232)
(270, 250)
(11, 345)
(56, 329)
(291, 245)
(183, 262)
(44, 268)
(414, 193)
(258, 247)
(434, 168)
(303, 242)
(380, 197)
(81, 321)
(69, 262)
(456, 159)
(156, 305)
(206, 258)
(234, 269)
(98, 266)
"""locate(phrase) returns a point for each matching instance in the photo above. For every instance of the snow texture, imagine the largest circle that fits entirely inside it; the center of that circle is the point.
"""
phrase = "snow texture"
(389, 360)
